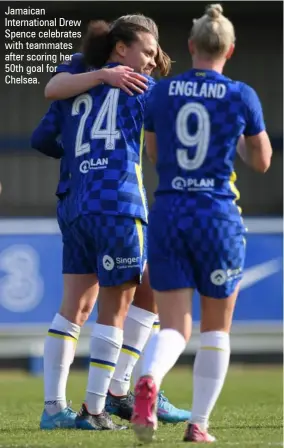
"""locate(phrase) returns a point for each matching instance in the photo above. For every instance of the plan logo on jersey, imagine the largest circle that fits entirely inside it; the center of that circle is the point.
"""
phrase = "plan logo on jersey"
(178, 183)
(92, 164)
(108, 263)
(190, 184)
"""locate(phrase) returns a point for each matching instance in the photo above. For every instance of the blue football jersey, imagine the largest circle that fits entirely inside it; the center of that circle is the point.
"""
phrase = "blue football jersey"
(198, 117)
(46, 139)
(103, 138)
(64, 179)
(45, 136)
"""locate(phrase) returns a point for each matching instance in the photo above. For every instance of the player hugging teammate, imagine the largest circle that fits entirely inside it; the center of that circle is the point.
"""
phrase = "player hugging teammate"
(102, 213)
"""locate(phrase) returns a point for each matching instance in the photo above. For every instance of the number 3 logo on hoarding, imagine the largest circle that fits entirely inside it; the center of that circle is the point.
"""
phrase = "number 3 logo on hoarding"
(21, 288)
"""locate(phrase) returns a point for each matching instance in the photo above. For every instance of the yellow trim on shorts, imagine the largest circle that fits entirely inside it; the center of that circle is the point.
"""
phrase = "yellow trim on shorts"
(140, 235)
(232, 184)
(138, 170)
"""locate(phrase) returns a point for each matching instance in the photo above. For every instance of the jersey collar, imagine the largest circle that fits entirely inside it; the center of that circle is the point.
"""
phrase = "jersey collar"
(206, 74)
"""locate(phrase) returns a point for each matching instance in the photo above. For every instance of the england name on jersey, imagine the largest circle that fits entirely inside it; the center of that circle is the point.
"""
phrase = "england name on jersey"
(198, 117)
(103, 138)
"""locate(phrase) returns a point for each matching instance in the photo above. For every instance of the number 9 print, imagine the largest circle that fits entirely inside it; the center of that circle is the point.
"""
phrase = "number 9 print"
(21, 287)
(200, 139)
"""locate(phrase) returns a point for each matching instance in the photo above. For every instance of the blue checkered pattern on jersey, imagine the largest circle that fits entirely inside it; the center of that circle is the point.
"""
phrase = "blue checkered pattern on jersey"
(219, 120)
(114, 237)
(117, 188)
(74, 257)
(74, 66)
(185, 250)
(64, 179)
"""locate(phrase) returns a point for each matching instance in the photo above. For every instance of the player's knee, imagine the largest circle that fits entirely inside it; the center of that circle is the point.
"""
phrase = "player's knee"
(77, 315)
(184, 327)
(77, 309)
(72, 316)
(84, 312)
(217, 314)
(144, 298)
(179, 301)
(114, 304)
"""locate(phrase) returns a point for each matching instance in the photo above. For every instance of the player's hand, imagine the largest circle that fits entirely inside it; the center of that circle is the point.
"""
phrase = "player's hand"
(125, 78)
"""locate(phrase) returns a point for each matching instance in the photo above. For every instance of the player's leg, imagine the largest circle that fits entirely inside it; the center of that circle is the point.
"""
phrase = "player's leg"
(60, 346)
(144, 300)
(166, 411)
(161, 354)
(137, 328)
(105, 348)
(211, 364)
(118, 259)
(79, 294)
(172, 281)
(138, 366)
(137, 325)
(218, 284)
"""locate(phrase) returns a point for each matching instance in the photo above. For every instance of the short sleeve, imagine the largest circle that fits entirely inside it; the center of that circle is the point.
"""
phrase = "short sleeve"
(253, 111)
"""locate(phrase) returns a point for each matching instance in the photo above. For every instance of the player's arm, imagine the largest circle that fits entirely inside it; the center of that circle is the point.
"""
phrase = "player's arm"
(254, 146)
(70, 80)
(151, 146)
(150, 135)
(44, 137)
(256, 151)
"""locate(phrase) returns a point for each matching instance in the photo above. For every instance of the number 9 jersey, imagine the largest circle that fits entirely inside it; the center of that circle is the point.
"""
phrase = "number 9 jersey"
(195, 233)
(198, 117)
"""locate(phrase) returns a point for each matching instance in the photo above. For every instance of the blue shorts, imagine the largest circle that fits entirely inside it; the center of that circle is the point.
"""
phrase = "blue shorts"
(74, 259)
(200, 252)
(115, 247)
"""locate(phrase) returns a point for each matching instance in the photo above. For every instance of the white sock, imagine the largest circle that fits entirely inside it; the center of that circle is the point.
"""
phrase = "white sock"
(209, 372)
(137, 328)
(59, 352)
(106, 343)
(161, 354)
(137, 371)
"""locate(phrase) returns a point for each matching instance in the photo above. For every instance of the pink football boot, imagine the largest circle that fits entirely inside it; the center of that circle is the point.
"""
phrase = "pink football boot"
(144, 417)
(194, 434)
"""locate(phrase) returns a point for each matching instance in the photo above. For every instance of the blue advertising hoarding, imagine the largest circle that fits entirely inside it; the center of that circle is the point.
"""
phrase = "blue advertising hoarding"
(31, 281)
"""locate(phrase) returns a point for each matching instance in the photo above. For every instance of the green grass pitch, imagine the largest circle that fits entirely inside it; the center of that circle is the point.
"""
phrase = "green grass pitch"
(249, 412)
